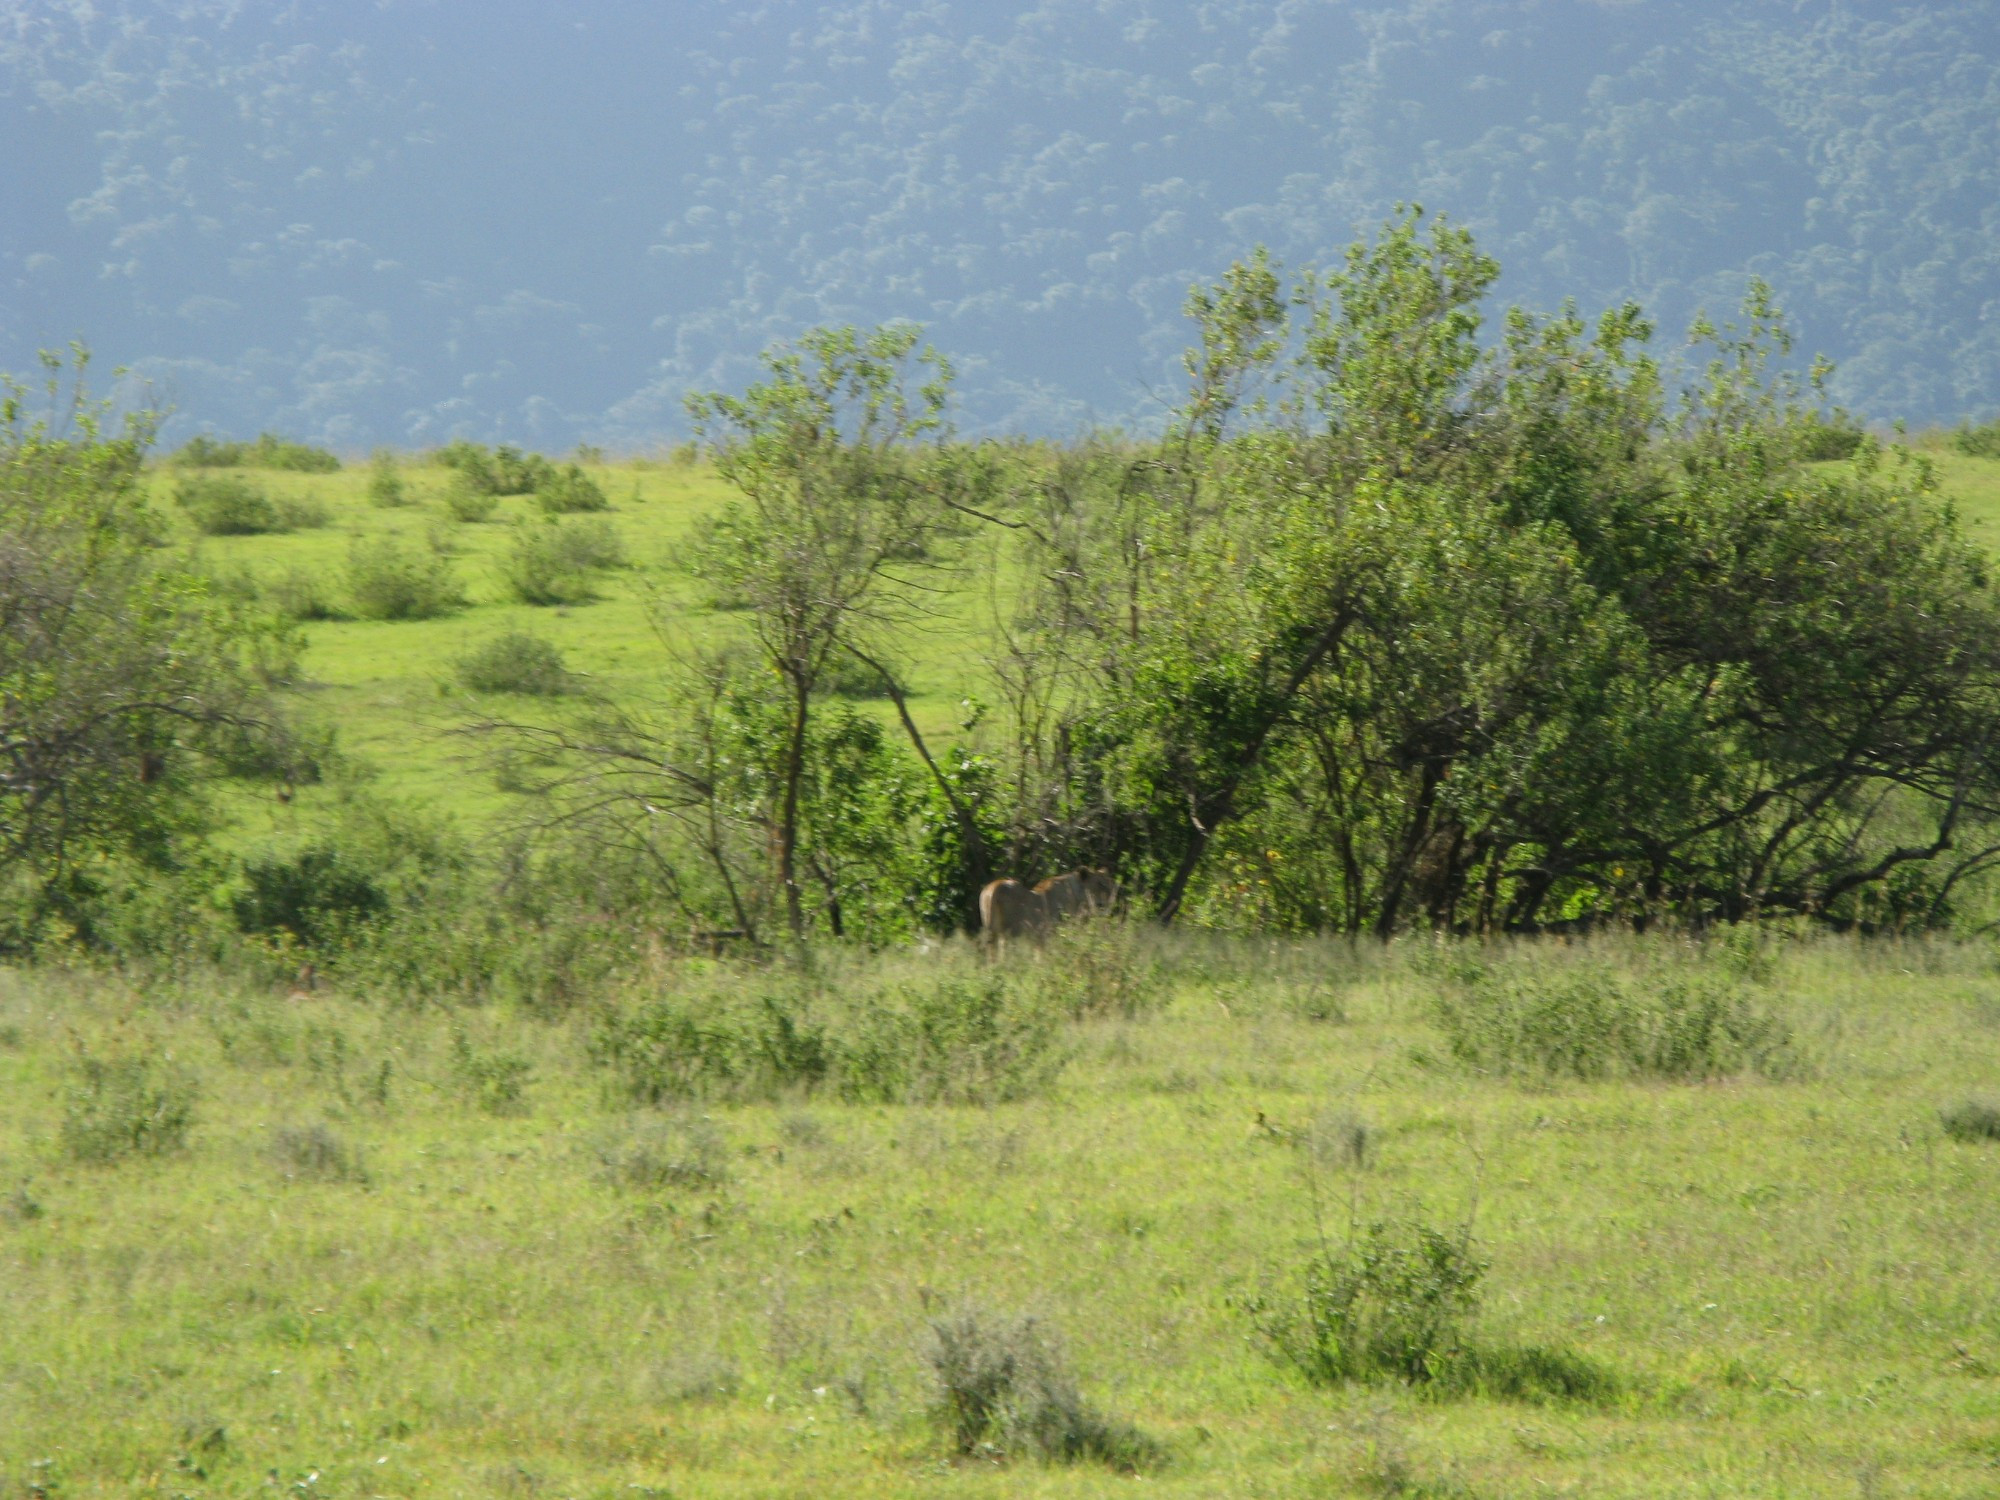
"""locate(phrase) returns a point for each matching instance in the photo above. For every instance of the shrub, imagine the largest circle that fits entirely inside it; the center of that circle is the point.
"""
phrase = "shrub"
(569, 490)
(1830, 435)
(847, 676)
(315, 896)
(969, 1040)
(299, 595)
(496, 1082)
(316, 1153)
(1972, 1120)
(1003, 1387)
(301, 513)
(388, 583)
(223, 505)
(556, 563)
(385, 480)
(129, 1106)
(500, 471)
(1978, 442)
(1396, 1303)
(268, 452)
(1589, 1024)
(675, 1152)
(468, 502)
(515, 663)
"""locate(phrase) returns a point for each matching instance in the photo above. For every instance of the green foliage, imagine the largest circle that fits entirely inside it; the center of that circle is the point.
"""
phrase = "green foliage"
(315, 1153)
(494, 471)
(493, 1080)
(385, 480)
(1397, 1302)
(386, 581)
(955, 1039)
(1587, 1022)
(468, 502)
(1971, 1120)
(568, 490)
(269, 451)
(1004, 1388)
(1981, 441)
(559, 562)
(300, 595)
(316, 897)
(674, 1151)
(515, 663)
(1830, 435)
(226, 505)
(127, 1106)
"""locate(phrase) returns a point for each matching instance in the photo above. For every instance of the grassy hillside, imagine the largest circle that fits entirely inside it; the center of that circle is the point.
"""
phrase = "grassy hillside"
(407, 1253)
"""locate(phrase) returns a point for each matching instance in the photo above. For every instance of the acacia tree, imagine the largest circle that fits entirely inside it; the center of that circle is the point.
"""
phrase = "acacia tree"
(126, 685)
(837, 525)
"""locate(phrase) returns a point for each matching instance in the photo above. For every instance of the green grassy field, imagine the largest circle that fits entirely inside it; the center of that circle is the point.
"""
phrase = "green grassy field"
(370, 1271)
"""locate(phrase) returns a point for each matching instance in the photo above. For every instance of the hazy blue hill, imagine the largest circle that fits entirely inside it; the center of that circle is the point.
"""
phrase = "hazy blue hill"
(394, 223)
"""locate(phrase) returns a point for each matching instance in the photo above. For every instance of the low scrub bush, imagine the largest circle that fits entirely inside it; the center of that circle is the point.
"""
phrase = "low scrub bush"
(127, 1106)
(569, 491)
(269, 451)
(299, 595)
(385, 480)
(386, 582)
(975, 1039)
(1004, 1389)
(1397, 1303)
(495, 1082)
(1972, 1120)
(1830, 435)
(314, 1153)
(1101, 968)
(847, 676)
(558, 563)
(675, 1152)
(1982, 441)
(223, 505)
(469, 503)
(1588, 1023)
(515, 663)
(316, 897)
(495, 471)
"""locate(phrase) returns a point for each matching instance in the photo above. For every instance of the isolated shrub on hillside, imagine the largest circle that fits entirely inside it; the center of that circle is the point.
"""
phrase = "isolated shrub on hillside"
(557, 562)
(515, 663)
(127, 1106)
(674, 1152)
(316, 896)
(387, 582)
(1004, 1388)
(1972, 1120)
(1830, 435)
(568, 491)
(1978, 442)
(302, 595)
(385, 480)
(496, 471)
(1397, 1303)
(1587, 1023)
(315, 1153)
(469, 503)
(224, 505)
(847, 676)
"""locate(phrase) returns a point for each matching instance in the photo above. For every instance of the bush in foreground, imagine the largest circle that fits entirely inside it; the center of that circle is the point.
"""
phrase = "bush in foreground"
(1004, 1388)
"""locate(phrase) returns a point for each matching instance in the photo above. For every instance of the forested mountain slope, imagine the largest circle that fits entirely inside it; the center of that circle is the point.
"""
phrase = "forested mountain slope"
(400, 222)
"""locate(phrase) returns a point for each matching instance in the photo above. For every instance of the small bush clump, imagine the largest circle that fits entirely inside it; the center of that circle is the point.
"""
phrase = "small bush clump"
(128, 1106)
(299, 595)
(495, 1082)
(385, 480)
(515, 663)
(569, 491)
(1982, 441)
(558, 563)
(1396, 1303)
(386, 582)
(495, 471)
(956, 1040)
(1972, 1120)
(269, 451)
(1830, 435)
(223, 505)
(675, 1152)
(469, 503)
(316, 897)
(1590, 1024)
(1004, 1388)
(315, 1153)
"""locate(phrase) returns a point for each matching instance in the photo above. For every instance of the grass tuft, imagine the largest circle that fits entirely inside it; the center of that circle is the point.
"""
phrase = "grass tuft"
(127, 1106)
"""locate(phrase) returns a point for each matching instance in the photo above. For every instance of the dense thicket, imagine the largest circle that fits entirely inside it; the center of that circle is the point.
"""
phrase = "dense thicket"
(1401, 624)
